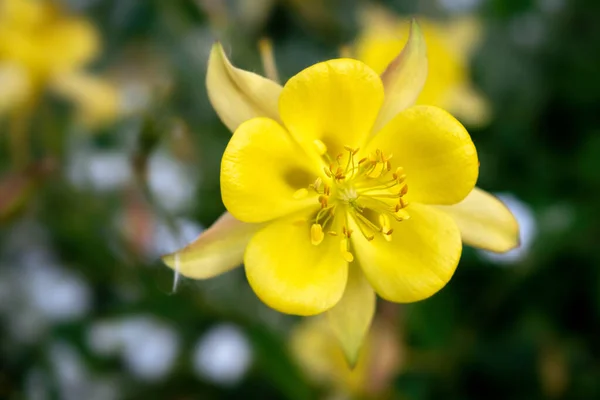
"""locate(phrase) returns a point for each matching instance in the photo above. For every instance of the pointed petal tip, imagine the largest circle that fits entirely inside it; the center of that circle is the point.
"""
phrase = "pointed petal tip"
(237, 95)
(352, 356)
(486, 222)
(404, 77)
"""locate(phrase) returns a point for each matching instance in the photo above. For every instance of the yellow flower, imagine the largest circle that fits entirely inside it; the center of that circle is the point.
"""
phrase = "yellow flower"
(319, 355)
(344, 190)
(41, 47)
(449, 47)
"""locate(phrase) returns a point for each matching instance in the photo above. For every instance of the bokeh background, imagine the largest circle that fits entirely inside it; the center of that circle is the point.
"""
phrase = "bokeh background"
(87, 206)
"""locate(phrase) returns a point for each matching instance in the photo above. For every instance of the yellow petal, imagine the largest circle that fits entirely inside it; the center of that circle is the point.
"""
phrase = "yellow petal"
(97, 100)
(70, 43)
(262, 171)
(318, 353)
(218, 249)
(292, 275)
(351, 318)
(485, 222)
(468, 104)
(436, 152)
(404, 77)
(16, 87)
(238, 95)
(418, 261)
(463, 34)
(334, 103)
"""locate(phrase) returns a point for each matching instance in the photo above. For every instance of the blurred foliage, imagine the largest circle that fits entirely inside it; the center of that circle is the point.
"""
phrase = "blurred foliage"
(100, 204)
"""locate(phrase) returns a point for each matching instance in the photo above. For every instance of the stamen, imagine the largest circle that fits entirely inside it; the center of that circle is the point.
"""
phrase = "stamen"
(364, 188)
(344, 245)
(401, 215)
(300, 194)
(323, 201)
(316, 234)
(346, 232)
(365, 225)
(320, 146)
(384, 221)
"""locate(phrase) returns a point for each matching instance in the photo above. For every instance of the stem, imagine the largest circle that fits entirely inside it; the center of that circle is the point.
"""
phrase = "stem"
(19, 138)
(265, 47)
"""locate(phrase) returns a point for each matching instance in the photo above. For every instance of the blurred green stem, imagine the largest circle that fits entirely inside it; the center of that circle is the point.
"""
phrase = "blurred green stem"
(19, 138)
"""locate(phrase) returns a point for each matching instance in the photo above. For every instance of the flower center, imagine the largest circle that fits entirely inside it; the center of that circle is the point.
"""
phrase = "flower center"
(364, 189)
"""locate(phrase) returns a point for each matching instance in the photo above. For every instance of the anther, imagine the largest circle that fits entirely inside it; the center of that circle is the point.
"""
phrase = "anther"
(323, 200)
(300, 194)
(404, 190)
(384, 222)
(316, 234)
(346, 232)
(388, 235)
(344, 250)
(320, 146)
(401, 215)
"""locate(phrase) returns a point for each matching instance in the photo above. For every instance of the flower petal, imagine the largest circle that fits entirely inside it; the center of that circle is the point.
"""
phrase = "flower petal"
(335, 102)
(262, 170)
(321, 358)
(218, 249)
(435, 151)
(97, 100)
(16, 87)
(418, 261)
(238, 95)
(404, 77)
(468, 104)
(292, 275)
(351, 318)
(485, 222)
(463, 34)
(69, 44)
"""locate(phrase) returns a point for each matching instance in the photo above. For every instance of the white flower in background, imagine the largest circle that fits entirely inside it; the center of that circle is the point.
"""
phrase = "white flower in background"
(459, 5)
(170, 182)
(223, 355)
(528, 229)
(74, 379)
(53, 291)
(147, 346)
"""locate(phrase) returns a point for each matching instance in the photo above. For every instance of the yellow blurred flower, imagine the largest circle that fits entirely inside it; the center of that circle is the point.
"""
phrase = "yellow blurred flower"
(449, 47)
(344, 189)
(319, 355)
(42, 48)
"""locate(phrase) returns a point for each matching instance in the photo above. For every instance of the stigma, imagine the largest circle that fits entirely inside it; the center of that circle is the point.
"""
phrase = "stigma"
(367, 189)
